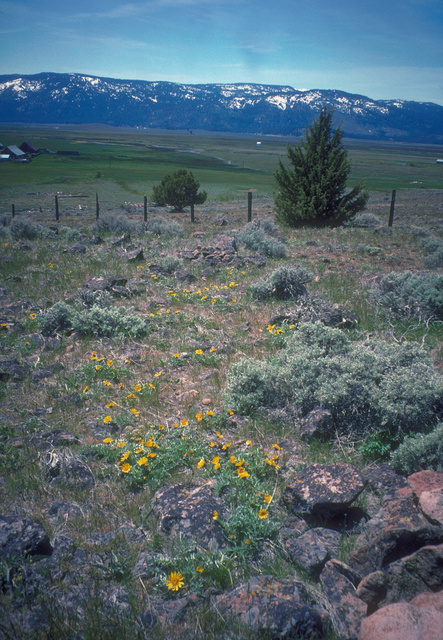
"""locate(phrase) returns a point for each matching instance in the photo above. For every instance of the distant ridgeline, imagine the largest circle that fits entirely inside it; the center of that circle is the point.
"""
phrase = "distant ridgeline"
(55, 98)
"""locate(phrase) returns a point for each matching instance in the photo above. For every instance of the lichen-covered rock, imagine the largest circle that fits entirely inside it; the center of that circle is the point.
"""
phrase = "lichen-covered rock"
(20, 536)
(188, 511)
(323, 490)
(338, 582)
(397, 530)
(282, 609)
(312, 549)
(404, 579)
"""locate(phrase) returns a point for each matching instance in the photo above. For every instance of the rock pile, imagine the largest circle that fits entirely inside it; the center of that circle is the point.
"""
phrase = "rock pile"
(390, 586)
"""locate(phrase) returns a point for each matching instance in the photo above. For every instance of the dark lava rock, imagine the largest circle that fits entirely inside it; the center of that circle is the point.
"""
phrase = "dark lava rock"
(313, 549)
(321, 491)
(338, 582)
(281, 609)
(187, 511)
(20, 536)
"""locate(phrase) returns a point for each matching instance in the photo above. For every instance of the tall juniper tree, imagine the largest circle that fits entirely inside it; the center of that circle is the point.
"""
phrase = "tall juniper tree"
(312, 190)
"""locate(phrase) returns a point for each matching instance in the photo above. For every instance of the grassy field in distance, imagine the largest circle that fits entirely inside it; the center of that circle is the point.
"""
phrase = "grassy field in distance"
(123, 165)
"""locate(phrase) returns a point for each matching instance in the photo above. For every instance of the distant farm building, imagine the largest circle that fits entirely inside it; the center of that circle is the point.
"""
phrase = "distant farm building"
(439, 160)
(28, 147)
(16, 154)
(4, 157)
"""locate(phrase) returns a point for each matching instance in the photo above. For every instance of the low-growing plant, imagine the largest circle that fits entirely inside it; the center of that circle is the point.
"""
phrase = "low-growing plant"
(161, 227)
(95, 321)
(421, 451)
(111, 223)
(285, 283)
(434, 247)
(256, 239)
(410, 295)
(364, 220)
(23, 228)
(367, 385)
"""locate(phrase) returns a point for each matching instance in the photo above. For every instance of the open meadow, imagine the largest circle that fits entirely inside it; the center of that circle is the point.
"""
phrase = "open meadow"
(164, 384)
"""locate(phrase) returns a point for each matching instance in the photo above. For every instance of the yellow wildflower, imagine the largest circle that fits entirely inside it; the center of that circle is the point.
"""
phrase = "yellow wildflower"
(107, 440)
(267, 498)
(201, 463)
(175, 581)
(126, 467)
(110, 404)
(198, 352)
(142, 461)
(199, 416)
(107, 419)
(262, 514)
(137, 388)
(215, 515)
(184, 422)
(131, 396)
(109, 363)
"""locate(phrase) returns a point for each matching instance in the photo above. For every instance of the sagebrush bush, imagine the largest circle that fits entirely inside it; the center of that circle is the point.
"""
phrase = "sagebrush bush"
(171, 264)
(367, 386)
(161, 227)
(112, 223)
(434, 247)
(408, 294)
(423, 451)
(285, 283)
(22, 228)
(95, 321)
(255, 239)
(364, 220)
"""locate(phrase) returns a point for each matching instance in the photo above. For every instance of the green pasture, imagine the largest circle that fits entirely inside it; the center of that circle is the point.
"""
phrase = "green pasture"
(123, 165)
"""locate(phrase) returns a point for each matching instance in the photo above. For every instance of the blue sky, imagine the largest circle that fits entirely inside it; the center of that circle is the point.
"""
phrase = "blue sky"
(385, 49)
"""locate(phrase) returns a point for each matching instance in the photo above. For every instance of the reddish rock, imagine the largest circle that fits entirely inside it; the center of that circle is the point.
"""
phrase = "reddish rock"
(420, 619)
(397, 530)
(282, 609)
(419, 572)
(428, 487)
(425, 481)
(323, 490)
(338, 582)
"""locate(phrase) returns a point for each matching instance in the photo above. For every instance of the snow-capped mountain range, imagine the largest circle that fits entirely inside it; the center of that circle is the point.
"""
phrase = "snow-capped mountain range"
(56, 98)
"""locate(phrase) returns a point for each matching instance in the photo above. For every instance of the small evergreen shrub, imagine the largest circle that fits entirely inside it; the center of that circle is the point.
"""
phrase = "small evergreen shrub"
(423, 451)
(367, 386)
(255, 239)
(161, 227)
(285, 283)
(408, 294)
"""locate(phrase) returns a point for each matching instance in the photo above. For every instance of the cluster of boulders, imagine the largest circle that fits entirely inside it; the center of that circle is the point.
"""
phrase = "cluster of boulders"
(221, 253)
(390, 586)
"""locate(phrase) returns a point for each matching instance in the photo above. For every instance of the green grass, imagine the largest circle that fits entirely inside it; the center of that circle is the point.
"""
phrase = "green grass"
(124, 165)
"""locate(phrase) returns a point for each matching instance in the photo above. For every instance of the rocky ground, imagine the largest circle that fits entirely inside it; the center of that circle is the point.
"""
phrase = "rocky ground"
(342, 548)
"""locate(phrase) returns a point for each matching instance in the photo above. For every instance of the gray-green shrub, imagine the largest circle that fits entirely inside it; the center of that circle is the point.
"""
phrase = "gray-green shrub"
(408, 294)
(23, 228)
(112, 223)
(285, 283)
(255, 239)
(434, 247)
(422, 451)
(364, 220)
(367, 386)
(96, 321)
(161, 227)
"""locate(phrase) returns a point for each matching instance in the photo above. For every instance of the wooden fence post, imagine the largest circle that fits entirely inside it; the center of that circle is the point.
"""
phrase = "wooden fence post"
(13, 210)
(192, 208)
(249, 206)
(145, 209)
(391, 212)
(57, 212)
(97, 207)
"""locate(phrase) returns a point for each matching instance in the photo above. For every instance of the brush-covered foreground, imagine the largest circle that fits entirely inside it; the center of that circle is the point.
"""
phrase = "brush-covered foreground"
(138, 356)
